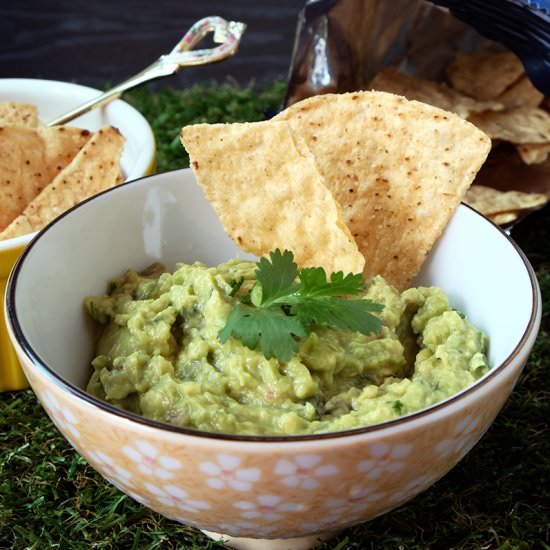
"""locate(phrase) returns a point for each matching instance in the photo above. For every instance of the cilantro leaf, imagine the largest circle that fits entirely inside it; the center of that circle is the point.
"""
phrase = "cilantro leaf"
(314, 283)
(339, 313)
(285, 304)
(240, 324)
(277, 279)
(270, 326)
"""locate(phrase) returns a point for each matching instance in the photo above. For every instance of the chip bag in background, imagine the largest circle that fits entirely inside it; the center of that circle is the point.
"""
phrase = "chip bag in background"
(488, 61)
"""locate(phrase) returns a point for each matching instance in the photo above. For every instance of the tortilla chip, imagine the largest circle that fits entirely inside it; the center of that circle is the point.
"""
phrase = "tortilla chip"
(521, 125)
(533, 153)
(484, 75)
(521, 94)
(18, 114)
(428, 91)
(29, 160)
(22, 161)
(504, 218)
(268, 193)
(505, 170)
(62, 145)
(96, 167)
(398, 168)
(491, 201)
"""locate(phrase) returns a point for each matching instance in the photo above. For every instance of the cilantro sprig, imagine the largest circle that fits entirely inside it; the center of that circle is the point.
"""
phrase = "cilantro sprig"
(285, 303)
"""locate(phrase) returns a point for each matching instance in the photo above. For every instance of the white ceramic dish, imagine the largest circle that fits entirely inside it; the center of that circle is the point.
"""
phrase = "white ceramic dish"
(248, 486)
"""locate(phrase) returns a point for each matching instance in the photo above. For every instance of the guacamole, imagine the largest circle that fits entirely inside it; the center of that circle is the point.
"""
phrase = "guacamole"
(158, 354)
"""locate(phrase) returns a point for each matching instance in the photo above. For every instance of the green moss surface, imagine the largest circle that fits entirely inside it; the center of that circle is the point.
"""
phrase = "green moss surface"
(497, 497)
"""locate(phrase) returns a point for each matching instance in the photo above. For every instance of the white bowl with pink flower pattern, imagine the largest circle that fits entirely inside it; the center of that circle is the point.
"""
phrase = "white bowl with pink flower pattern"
(252, 487)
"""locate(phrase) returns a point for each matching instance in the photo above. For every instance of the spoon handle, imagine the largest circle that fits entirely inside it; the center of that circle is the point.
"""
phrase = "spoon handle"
(226, 33)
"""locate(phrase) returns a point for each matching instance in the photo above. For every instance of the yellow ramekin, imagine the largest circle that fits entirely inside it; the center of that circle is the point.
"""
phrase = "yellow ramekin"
(11, 375)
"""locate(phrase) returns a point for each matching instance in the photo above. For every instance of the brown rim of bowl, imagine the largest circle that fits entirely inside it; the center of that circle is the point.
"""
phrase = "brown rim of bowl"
(38, 362)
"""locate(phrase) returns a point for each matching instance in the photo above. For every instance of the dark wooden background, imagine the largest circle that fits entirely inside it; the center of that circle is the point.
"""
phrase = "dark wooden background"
(98, 41)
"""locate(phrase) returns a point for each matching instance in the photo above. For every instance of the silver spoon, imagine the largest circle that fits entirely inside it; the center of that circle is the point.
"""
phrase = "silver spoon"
(226, 33)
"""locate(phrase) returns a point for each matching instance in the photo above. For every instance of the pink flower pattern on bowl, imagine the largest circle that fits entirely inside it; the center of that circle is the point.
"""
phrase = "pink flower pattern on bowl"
(149, 462)
(267, 507)
(175, 497)
(302, 471)
(465, 434)
(119, 476)
(385, 459)
(225, 472)
(62, 416)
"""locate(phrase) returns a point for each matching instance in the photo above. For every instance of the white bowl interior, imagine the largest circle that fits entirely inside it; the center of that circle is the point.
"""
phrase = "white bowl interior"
(56, 98)
(167, 218)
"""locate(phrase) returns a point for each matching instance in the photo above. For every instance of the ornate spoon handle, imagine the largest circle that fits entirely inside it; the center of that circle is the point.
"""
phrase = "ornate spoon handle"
(226, 33)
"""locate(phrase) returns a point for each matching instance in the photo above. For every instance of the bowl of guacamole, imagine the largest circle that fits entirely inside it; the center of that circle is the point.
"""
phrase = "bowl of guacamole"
(125, 356)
